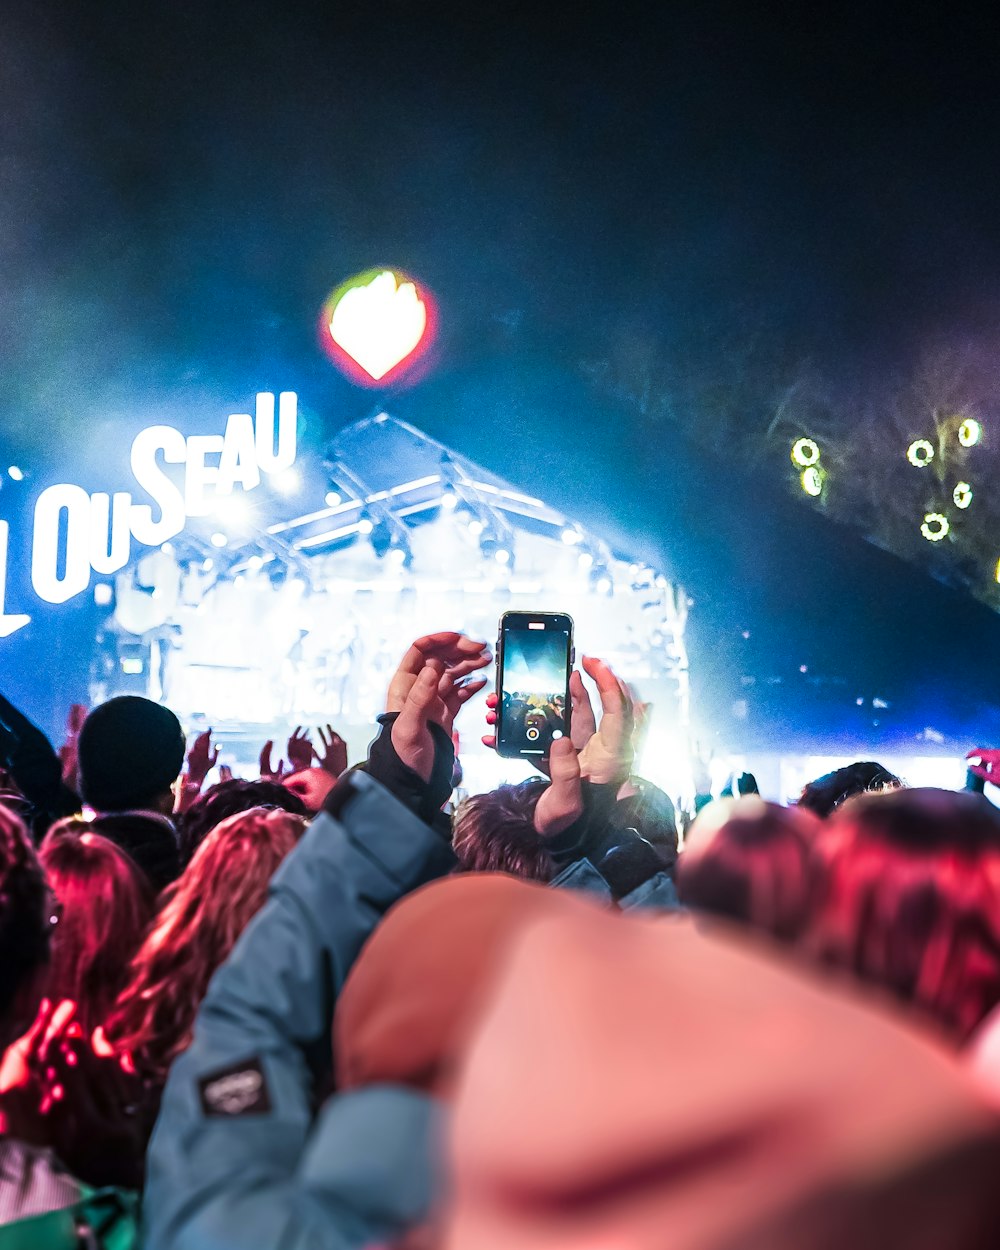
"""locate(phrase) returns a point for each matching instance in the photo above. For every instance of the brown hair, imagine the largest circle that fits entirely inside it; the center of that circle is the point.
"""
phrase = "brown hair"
(204, 913)
(495, 832)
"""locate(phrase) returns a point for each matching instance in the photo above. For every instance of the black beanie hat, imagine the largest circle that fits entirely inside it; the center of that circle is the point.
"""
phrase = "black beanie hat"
(131, 751)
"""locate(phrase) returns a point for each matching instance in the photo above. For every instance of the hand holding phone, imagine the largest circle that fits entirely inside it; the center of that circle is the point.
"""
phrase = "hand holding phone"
(534, 661)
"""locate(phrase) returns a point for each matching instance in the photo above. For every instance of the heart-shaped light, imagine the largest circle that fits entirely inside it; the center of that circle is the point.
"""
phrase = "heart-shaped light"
(379, 324)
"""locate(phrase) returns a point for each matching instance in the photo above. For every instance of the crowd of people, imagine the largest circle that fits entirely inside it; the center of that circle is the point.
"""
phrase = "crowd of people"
(331, 1007)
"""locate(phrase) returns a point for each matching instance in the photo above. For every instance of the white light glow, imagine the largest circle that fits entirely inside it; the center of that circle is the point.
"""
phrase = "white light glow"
(397, 556)
(476, 527)
(812, 480)
(449, 500)
(255, 563)
(287, 481)
(380, 324)
(970, 432)
(15, 474)
(502, 556)
(920, 453)
(585, 559)
(208, 564)
(805, 451)
(219, 540)
(365, 526)
(962, 495)
(332, 499)
(935, 527)
(102, 594)
(571, 536)
(603, 585)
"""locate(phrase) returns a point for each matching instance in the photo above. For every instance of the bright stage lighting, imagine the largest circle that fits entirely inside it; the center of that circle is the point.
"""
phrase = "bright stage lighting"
(208, 564)
(920, 453)
(332, 499)
(365, 526)
(970, 432)
(805, 452)
(585, 560)
(962, 495)
(15, 474)
(377, 324)
(571, 536)
(287, 481)
(502, 556)
(449, 500)
(476, 526)
(812, 480)
(219, 539)
(234, 511)
(935, 527)
(255, 563)
(102, 594)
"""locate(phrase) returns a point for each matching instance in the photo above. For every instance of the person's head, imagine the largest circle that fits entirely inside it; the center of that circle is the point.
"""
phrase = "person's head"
(148, 839)
(826, 793)
(25, 928)
(650, 812)
(750, 861)
(208, 908)
(413, 994)
(911, 900)
(227, 798)
(495, 832)
(131, 751)
(311, 785)
(104, 906)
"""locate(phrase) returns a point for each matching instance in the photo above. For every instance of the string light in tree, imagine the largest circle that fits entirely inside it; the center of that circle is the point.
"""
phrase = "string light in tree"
(812, 480)
(920, 453)
(962, 494)
(935, 527)
(970, 432)
(805, 452)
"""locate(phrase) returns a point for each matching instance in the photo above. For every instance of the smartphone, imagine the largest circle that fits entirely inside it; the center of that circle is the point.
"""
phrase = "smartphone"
(534, 660)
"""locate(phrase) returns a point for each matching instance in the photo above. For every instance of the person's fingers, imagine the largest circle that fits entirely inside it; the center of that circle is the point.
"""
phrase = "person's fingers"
(489, 740)
(613, 699)
(491, 718)
(564, 762)
(492, 699)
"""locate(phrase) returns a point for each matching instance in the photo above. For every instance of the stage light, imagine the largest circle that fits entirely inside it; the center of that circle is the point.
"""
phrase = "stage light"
(332, 499)
(935, 527)
(449, 500)
(571, 536)
(233, 510)
(219, 540)
(287, 481)
(365, 526)
(376, 323)
(239, 581)
(476, 526)
(208, 564)
(167, 549)
(962, 495)
(102, 594)
(920, 453)
(998, 571)
(805, 452)
(502, 556)
(15, 474)
(397, 556)
(255, 563)
(970, 432)
(812, 480)
(603, 585)
(585, 559)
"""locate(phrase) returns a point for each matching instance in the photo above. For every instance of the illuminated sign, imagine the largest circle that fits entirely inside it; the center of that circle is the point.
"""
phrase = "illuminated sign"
(76, 534)
(377, 326)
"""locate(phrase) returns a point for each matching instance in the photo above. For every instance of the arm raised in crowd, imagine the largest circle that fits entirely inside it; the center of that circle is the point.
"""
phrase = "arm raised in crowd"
(238, 1157)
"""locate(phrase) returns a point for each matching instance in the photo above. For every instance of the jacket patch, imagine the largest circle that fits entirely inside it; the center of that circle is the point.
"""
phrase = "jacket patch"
(240, 1089)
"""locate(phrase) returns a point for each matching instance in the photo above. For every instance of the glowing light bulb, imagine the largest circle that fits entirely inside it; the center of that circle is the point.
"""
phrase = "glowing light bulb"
(331, 499)
(365, 526)
(380, 323)
(585, 559)
(287, 481)
(970, 432)
(15, 474)
(962, 494)
(812, 480)
(571, 536)
(219, 540)
(920, 453)
(449, 500)
(805, 452)
(935, 527)
(475, 527)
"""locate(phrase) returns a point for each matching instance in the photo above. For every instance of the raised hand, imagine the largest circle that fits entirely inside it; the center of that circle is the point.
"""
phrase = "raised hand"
(69, 751)
(300, 750)
(608, 755)
(266, 771)
(561, 803)
(333, 758)
(985, 763)
(435, 696)
(457, 653)
(201, 758)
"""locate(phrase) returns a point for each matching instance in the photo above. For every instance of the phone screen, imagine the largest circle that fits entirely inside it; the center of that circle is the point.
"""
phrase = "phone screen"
(533, 691)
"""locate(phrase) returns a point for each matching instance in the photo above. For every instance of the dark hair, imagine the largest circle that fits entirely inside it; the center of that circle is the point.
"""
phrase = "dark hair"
(206, 911)
(226, 798)
(495, 832)
(750, 861)
(651, 813)
(24, 917)
(911, 900)
(147, 838)
(106, 904)
(826, 793)
(131, 751)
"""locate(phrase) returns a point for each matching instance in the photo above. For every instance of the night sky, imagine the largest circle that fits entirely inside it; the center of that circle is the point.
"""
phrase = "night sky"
(746, 194)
